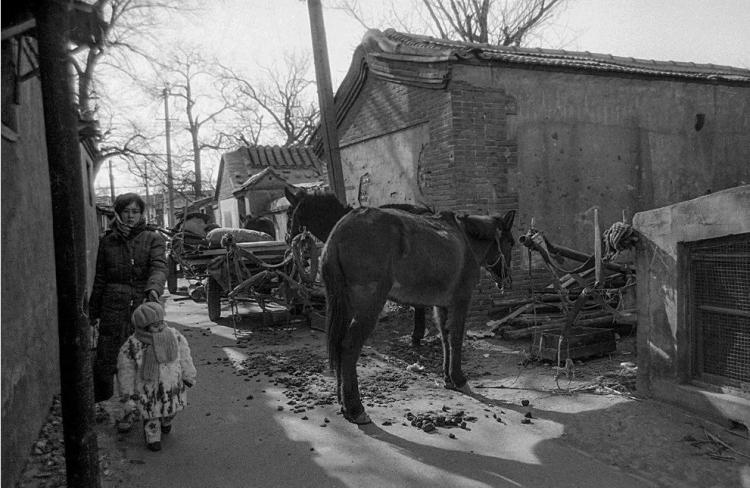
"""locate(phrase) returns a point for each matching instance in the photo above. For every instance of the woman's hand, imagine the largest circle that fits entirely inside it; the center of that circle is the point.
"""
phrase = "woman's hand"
(152, 296)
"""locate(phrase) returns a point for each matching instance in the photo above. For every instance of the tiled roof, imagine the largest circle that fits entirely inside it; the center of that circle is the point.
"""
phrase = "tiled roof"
(257, 177)
(243, 163)
(396, 43)
(299, 157)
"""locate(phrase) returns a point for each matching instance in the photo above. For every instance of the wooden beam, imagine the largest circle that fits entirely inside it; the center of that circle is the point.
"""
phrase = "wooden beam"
(69, 234)
(18, 29)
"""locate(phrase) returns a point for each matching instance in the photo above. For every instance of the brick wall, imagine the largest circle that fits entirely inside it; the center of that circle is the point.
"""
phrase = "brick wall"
(483, 157)
(465, 164)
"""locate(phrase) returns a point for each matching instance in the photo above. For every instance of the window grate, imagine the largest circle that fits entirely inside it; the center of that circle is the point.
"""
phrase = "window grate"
(726, 345)
(720, 306)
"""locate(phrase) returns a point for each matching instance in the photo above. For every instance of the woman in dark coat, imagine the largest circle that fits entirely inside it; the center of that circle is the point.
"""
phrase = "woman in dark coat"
(131, 268)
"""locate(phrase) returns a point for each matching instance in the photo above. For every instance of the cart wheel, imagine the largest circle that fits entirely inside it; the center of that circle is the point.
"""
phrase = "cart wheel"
(171, 275)
(213, 297)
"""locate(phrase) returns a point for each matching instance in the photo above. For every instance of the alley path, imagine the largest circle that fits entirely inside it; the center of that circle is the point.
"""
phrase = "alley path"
(240, 431)
(263, 414)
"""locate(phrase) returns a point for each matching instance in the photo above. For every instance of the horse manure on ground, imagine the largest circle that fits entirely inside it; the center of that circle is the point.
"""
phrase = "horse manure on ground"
(430, 421)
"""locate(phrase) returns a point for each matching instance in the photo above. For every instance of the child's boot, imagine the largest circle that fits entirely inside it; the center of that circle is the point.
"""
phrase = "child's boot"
(152, 434)
(129, 416)
(166, 424)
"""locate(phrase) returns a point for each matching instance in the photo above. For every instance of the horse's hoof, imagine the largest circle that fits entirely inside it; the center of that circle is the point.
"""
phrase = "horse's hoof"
(361, 419)
(465, 389)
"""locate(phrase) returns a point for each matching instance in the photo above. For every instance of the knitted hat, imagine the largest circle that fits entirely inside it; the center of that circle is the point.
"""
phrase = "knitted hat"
(161, 342)
(146, 314)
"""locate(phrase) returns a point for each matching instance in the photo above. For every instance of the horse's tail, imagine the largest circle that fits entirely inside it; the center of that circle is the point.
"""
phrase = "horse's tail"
(337, 306)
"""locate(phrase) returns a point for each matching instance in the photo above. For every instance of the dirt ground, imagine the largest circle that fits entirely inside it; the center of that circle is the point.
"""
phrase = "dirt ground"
(595, 402)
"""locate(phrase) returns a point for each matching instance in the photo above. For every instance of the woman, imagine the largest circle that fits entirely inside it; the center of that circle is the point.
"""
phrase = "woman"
(131, 268)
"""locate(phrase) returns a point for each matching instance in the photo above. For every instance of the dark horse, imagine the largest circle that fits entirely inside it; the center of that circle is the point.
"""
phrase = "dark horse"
(318, 212)
(261, 224)
(375, 254)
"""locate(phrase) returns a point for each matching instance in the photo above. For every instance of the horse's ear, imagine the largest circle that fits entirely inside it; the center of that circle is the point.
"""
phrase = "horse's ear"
(508, 219)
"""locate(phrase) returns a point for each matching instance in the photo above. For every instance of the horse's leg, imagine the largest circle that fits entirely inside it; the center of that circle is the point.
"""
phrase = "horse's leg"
(441, 315)
(419, 326)
(455, 328)
(366, 301)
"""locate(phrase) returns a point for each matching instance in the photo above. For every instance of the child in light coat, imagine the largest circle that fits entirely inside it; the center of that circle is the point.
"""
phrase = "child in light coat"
(154, 370)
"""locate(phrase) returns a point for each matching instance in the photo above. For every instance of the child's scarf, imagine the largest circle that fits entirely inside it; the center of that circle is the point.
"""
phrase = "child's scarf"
(163, 350)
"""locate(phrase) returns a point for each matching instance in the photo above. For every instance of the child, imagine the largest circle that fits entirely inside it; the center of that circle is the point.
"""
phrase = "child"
(154, 369)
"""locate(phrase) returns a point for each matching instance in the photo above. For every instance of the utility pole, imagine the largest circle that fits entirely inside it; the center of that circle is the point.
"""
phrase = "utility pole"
(170, 184)
(149, 204)
(325, 99)
(111, 183)
(69, 234)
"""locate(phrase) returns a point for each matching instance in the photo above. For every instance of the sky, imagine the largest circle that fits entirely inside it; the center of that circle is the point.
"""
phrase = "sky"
(701, 31)
(249, 34)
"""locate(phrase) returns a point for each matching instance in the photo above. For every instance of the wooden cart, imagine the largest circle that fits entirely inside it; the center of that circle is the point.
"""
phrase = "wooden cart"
(227, 268)
(272, 275)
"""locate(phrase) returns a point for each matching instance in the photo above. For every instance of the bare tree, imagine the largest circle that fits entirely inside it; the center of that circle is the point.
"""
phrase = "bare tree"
(286, 96)
(497, 22)
(248, 125)
(127, 25)
(137, 148)
(193, 81)
(141, 149)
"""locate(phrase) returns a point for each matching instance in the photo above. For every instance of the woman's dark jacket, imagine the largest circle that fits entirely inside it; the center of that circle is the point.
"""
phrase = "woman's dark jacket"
(126, 269)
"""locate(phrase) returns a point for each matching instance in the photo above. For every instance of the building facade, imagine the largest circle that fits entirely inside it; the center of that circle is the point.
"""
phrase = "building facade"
(252, 179)
(552, 134)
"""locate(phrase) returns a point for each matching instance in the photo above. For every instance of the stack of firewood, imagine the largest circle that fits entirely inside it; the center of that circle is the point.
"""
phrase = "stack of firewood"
(574, 298)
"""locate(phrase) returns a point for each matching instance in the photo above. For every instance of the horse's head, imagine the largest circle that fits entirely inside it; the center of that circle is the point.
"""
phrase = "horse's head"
(317, 212)
(499, 266)
(498, 255)
(294, 198)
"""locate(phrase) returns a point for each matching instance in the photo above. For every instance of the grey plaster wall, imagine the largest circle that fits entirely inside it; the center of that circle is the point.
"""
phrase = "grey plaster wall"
(622, 144)
(664, 347)
(30, 349)
(383, 169)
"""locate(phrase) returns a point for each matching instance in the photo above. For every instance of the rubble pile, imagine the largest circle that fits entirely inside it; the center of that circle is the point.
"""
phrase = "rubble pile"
(45, 467)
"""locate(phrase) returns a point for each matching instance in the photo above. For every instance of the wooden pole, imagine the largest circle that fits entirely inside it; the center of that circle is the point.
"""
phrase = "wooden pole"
(325, 100)
(69, 233)
(597, 248)
(111, 184)
(170, 182)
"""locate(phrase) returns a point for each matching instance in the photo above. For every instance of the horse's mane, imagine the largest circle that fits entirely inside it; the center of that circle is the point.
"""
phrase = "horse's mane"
(421, 209)
(329, 200)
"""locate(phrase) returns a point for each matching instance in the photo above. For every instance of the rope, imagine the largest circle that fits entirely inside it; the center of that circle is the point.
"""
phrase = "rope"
(619, 237)
(304, 249)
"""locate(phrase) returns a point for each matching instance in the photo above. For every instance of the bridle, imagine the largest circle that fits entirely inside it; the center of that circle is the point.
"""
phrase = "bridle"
(505, 279)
